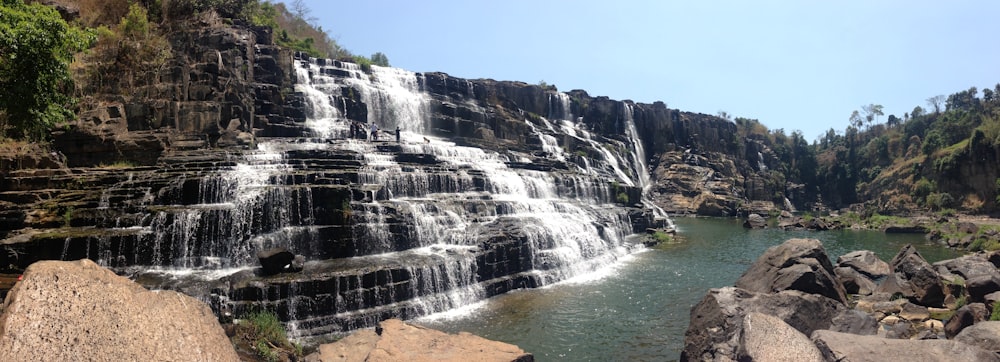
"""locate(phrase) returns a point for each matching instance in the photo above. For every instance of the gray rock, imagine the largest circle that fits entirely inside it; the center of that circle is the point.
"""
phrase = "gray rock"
(965, 316)
(914, 313)
(985, 335)
(981, 285)
(854, 321)
(796, 264)
(865, 262)
(67, 311)
(755, 221)
(716, 321)
(768, 338)
(837, 346)
(991, 299)
(853, 281)
(913, 278)
(970, 266)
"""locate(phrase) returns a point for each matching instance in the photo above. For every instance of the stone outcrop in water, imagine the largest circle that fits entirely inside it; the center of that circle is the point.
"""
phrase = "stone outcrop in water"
(906, 322)
(64, 311)
(394, 340)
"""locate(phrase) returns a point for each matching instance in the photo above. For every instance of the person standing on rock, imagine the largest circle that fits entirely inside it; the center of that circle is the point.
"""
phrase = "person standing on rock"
(374, 132)
(397, 134)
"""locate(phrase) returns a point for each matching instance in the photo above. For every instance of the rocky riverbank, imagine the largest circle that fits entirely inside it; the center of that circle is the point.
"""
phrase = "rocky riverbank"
(793, 303)
(965, 232)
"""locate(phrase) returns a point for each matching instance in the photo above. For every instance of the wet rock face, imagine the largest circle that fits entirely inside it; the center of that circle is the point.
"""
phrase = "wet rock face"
(79, 310)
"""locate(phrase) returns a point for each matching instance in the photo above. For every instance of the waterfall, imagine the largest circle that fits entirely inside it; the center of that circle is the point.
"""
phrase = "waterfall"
(387, 229)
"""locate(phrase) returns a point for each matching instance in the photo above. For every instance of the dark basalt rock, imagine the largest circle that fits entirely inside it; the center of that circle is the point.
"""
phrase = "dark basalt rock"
(718, 318)
(796, 264)
(913, 278)
(277, 260)
(965, 316)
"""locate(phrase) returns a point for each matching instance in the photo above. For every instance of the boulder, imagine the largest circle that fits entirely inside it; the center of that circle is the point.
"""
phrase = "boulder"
(755, 221)
(912, 277)
(64, 311)
(768, 338)
(865, 262)
(914, 313)
(965, 316)
(854, 321)
(991, 300)
(716, 321)
(981, 285)
(796, 264)
(278, 260)
(970, 266)
(853, 281)
(985, 335)
(394, 340)
(837, 346)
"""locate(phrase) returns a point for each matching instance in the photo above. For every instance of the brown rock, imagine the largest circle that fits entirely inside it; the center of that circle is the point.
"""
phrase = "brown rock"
(716, 321)
(400, 341)
(913, 278)
(768, 338)
(966, 316)
(865, 262)
(985, 335)
(837, 346)
(66, 311)
(796, 264)
(914, 313)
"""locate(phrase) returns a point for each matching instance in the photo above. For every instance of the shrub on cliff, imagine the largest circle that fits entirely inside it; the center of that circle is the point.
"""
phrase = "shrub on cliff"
(36, 48)
(132, 52)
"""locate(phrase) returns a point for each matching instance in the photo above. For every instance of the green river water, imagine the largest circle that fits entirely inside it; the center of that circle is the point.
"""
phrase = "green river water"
(638, 310)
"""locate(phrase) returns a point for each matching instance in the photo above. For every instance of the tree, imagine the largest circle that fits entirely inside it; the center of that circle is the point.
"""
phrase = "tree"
(894, 121)
(36, 48)
(935, 102)
(872, 111)
(380, 59)
(856, 120)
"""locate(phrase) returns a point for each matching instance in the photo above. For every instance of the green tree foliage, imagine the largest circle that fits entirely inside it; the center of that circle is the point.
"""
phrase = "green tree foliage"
(380, 59)
(36, 48)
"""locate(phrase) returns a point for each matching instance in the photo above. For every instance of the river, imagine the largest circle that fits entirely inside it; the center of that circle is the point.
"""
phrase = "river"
(638, 309)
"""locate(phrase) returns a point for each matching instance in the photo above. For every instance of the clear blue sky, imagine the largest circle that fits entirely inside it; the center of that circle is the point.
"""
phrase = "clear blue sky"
(796, 65)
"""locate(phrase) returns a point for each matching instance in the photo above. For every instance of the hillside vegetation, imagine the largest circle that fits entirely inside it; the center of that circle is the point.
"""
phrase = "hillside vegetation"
(49, 61)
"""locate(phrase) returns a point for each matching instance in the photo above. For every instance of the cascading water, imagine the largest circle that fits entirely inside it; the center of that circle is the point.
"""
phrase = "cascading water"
(388, 229)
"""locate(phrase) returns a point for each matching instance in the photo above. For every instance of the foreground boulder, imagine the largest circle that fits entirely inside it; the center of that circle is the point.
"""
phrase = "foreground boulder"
(394, 340)
(796, 264)
(768, 338)
(66, 311)
(837, 346)
(985, 335)
(717, 321)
